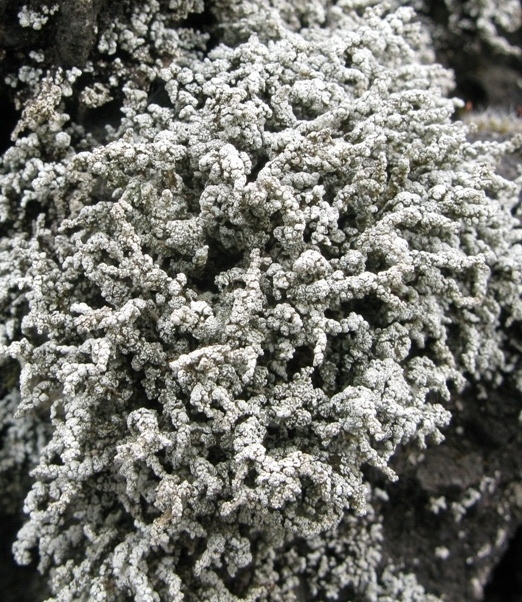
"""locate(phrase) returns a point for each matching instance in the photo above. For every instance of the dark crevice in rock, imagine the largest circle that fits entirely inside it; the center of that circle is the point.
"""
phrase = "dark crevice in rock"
(505, 584)
(8, 121)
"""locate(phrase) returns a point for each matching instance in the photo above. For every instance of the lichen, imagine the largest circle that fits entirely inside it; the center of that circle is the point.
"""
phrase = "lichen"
(234, 305)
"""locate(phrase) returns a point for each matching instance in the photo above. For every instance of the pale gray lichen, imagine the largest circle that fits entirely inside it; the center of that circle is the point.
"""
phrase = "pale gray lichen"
(238, 301)
(491, 20)
(36, 19)
(493, 24)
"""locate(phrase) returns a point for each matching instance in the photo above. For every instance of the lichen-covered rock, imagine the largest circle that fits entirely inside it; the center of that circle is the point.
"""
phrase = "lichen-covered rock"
(494, 23)
(233, 308)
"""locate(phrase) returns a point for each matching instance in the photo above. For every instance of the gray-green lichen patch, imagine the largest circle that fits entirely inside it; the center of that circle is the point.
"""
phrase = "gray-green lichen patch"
(237, 305)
